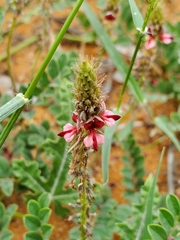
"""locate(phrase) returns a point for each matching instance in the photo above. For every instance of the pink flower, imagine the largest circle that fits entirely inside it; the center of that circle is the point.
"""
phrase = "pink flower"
(93, 139)
(110, 16)
(68, 132)
(109, 117)
(150, 43)
(96, 122)
(166, 38)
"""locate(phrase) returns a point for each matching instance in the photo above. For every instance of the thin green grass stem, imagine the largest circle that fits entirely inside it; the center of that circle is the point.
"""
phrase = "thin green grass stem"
(38, 75)
(10, 71)
(151, 7)
(129, 71)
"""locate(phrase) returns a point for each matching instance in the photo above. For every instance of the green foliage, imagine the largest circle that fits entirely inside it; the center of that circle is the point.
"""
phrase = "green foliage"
(169, 220)
(136, 15)
(38, 176)
(133, 170)
(6, 183)
(108, 135)
(135, 226)
(5, 218)
(169, 128)
(36, 220)
(29, 176)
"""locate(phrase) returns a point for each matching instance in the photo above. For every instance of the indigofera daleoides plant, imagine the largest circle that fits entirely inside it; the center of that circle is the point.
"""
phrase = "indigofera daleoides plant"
(90, 116)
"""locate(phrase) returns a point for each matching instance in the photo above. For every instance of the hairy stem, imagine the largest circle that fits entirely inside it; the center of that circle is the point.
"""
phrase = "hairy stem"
(9, 53)
(84, 207)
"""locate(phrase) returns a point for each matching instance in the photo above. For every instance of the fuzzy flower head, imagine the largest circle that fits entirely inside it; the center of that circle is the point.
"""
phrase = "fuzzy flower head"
(90, 114)
(87, 92)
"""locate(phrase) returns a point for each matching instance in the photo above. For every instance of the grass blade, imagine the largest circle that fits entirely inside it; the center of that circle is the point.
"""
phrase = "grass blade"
(136, 15)
(148, 213)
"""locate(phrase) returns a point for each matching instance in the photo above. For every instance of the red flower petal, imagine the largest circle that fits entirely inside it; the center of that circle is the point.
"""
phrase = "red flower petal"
(150, 43)
(166, 38)
(96, 122)
(94, 139)
(110, 16)
(109, 117)
(69, 132)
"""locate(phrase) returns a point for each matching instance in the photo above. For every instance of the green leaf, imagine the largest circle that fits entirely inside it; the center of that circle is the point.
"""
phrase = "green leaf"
(4, 168)
(127, 129)
(2, 209)
(46, 230)
(33, 236)
(5, 220)
(122, 212)
(32, 222)
(44, 200)
(60, 211)
(35, 139)
(29, 174)
(162, 123)
(125, 231)
(173, 205)
(166, 219)
(157, 232)
(14, 104)
(33, 207)
(106, 148)
(113, 53)
(147, 219)
(44, 214)
(11, 209)
(7, 186)
(6, 235)
(136, 15)
(44, 81)
(53, 69)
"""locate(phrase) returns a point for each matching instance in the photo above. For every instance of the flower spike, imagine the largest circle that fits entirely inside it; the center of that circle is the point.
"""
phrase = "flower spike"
(89, 116)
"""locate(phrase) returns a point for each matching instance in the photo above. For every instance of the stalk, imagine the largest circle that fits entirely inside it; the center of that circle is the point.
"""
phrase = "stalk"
(41, 70)
(9, 53)
(84, 207)
(151, 7)
(129, 71)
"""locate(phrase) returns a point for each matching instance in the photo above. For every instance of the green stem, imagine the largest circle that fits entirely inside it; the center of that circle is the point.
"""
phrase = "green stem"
(129, 70)
(151, 7)
(84, 207)
(18, 215)
(9, 53)
(37, 77)
(19, 46)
